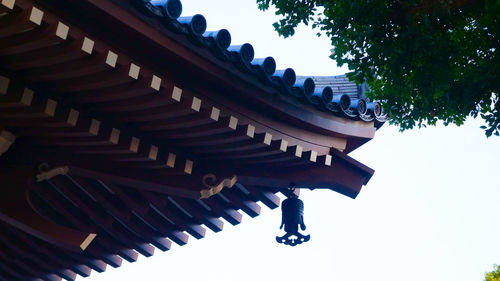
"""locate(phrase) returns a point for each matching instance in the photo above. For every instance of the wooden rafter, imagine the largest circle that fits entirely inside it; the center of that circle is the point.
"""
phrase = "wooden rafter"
(17, 210)
(142, 153)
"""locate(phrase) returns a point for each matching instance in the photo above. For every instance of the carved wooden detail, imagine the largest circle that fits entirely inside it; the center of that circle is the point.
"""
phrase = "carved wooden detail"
(47, 173)
(214, 185)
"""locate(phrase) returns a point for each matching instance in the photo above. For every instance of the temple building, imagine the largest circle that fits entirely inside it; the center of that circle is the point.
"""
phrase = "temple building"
(125, 126)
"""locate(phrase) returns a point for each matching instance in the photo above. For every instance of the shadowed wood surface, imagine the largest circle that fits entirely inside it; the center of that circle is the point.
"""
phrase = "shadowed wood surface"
(141, 150)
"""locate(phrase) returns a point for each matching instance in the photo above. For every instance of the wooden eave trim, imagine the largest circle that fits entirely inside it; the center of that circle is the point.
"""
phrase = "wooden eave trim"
(91, 46)
(108, 59)
(91, 131)
(115, 240)
(245, 85)
(179, 167)
(27, 106)
(17, 210)
(95, 131)
(134, 71)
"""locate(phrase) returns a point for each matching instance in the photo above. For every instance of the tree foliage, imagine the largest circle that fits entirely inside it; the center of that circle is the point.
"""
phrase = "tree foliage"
(426, 60)
(493, 275)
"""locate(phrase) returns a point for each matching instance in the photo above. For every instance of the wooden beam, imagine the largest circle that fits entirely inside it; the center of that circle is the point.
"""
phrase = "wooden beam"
(262, 194)
(221, 209)
(342, 174)
(39, 64)
(31, 263)
(102, 248)
(36, 38)
(173, 213)
(242, 202)
(122, 213)
(142, 210)
(25, 264)
(44, 254)
(169, 46)
(16, 210)
(200, 215)
(15, 20)
(106, 223)
(188, 186)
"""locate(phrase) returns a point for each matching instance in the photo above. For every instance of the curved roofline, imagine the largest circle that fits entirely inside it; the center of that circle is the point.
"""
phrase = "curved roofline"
(165, 42)
(242, 56)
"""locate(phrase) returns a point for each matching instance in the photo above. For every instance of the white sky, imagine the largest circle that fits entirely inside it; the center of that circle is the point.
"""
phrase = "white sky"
(429, 213)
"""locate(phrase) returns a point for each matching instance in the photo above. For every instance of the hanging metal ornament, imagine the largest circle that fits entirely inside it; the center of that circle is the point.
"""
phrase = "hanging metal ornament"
(291, 218)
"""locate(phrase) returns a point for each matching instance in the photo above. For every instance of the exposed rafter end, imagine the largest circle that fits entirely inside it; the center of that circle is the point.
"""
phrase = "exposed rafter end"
(6, 140)
(214, 186)
(7, 5)
(87, 241)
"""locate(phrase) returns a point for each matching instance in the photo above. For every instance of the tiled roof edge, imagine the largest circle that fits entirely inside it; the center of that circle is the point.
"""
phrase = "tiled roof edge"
(324, 98)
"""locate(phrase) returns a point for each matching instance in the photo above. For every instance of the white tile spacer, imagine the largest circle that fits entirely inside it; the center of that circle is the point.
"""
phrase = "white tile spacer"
(73, 117)
(171, 160)
(153, 152)
(50, 107)
(328, 160)
(4, 84)
(111, 59)
(314, 156)
(233, 122)
(215, 114)
(87, 241)
(188, 168)
(156, 82)
(251, 131)
(196, 104)
(88, 45)
(134, 144)
(268, 138)
(134, 71)
(95, 125)
(36, 16)
(298, 151)
(283, 145)
(62, 31)
(176, 93)
(115, 136)
(27, 97)
(9, 3)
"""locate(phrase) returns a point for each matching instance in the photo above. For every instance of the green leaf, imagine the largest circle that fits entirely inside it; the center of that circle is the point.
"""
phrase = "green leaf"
(417, 56)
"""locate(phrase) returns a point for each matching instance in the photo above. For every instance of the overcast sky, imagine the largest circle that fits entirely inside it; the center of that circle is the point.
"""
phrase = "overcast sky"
(429, 213)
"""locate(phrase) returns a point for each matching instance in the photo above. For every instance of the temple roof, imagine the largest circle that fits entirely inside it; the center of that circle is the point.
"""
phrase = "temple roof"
(335, 94)
(340, 84)
(114, 145)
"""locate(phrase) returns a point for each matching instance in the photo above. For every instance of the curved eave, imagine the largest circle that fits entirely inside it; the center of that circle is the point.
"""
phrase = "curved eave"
(322, 122)
(215, 75)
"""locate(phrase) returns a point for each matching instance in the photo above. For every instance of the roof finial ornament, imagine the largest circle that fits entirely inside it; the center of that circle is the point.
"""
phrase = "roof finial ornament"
(292, 216)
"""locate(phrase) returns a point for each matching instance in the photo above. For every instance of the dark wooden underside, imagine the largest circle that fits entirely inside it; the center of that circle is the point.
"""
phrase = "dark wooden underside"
(150, 158)
(128, 222)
